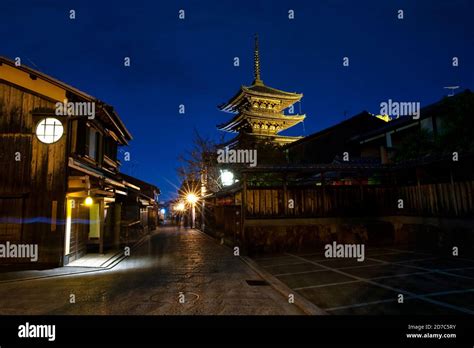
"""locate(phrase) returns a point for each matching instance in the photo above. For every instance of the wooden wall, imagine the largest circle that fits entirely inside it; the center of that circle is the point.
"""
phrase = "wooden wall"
(38, 179)
(223, 221)
(79, 231)
(443, 200)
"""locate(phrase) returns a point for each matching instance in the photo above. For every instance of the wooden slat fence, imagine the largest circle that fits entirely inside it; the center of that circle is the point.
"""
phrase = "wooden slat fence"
(441, 200)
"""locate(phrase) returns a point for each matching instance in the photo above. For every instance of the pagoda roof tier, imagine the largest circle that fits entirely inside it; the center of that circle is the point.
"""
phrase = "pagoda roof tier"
(279, 139)
(257, 91)
(267, 123)
(262, 89)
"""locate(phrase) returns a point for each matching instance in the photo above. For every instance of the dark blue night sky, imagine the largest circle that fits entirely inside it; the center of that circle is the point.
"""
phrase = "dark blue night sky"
(190, 62)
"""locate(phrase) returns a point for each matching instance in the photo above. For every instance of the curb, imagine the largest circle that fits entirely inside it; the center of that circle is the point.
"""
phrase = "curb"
(306, 306)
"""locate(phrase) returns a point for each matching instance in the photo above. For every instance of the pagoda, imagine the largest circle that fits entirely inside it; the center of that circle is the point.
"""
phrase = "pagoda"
(259, 112)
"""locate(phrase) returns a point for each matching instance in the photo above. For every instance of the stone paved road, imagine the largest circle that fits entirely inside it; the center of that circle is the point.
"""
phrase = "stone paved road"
(432, 284)
(174, 260)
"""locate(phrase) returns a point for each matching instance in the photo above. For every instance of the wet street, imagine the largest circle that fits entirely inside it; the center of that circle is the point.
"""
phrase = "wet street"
(176, 271)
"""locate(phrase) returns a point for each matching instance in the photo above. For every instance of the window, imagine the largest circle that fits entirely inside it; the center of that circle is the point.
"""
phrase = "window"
(93, 144)
(110, 148)
(49, 130)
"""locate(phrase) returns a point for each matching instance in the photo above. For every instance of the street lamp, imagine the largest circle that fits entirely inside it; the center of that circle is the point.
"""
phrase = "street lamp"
(163, 214)
(227, 177)
(192, 199)
(88, 201)
(180, 207)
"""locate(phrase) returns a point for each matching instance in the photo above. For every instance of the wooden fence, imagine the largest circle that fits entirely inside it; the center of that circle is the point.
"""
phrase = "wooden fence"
(223, 221)
(440, 200)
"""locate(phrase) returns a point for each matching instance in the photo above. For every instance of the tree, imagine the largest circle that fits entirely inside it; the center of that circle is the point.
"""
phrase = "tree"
(455, 129)
(458, 123)
(417, 144)
(200, 164)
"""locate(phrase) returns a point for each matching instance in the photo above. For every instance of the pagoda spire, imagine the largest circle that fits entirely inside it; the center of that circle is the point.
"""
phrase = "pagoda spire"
(257, 80)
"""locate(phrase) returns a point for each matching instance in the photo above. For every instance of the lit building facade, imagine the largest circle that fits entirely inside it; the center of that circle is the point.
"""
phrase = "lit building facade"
(60, 185)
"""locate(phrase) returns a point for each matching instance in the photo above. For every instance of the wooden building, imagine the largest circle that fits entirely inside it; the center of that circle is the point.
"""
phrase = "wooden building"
(140, 208)
(324, 146)
(60, 186)
(385, 141)
(259, 112)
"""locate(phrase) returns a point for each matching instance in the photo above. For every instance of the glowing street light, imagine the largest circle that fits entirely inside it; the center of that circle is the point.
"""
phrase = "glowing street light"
(88, 201)
(227, 177)
(180, 206)
(192, 199)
